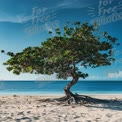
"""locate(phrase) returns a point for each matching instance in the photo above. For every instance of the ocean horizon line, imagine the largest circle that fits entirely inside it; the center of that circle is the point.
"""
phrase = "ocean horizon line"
(61, 80)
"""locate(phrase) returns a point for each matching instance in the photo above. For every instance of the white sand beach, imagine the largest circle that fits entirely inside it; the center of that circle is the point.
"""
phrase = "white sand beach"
(30, 109)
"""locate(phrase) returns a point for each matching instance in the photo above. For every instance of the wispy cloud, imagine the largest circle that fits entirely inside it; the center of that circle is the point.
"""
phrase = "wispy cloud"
(115, 75)
(9, 19)
(21, 18)
(16, 19)
(65, 4)
(72, 4)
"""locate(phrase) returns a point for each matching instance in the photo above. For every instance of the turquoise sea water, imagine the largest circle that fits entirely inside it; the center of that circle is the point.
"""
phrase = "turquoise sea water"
(56, 87)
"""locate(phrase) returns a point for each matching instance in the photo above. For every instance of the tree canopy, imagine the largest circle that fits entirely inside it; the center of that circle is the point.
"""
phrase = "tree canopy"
(78, 44)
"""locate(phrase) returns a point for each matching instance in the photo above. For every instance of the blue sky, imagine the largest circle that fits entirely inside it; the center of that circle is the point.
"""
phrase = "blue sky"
(26, 23)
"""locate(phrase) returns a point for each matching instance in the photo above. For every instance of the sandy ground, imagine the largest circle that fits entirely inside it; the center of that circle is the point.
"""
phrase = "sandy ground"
(30, 109)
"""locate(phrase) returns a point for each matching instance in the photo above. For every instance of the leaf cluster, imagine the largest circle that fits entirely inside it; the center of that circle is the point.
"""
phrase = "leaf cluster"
(60, 54)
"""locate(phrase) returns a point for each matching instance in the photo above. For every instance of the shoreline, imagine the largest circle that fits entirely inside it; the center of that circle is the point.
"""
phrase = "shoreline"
(107, 94)
(29, 108)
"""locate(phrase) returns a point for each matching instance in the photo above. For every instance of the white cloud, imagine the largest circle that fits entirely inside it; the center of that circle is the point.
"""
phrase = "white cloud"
(21, 18)
(65, 4)
(15, 19)
(115, 75)
(72, 4)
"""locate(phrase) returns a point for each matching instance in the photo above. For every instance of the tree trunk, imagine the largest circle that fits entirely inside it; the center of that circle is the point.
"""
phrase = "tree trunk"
(67, 91)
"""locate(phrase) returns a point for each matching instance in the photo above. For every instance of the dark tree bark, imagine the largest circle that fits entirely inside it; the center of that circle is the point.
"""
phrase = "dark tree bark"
(67, 91)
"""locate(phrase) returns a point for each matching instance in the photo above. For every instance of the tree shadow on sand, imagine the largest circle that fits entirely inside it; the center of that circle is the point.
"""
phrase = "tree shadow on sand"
(113, 104)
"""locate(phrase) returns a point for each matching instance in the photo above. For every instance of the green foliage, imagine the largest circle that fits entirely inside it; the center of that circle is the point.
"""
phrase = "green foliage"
(61, 54)
(49, 32)
(2, 51)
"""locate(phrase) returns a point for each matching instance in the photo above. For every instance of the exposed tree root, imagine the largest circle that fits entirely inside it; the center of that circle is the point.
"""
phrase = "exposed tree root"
(73, 99)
